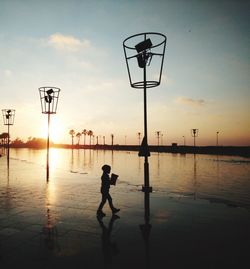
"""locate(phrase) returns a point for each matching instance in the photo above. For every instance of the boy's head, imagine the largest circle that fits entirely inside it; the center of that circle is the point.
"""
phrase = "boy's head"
(106, 168)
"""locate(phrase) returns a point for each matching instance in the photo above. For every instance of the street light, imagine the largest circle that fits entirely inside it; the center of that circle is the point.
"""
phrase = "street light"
(217, 138)
(49, 98)
(194, 134)
(146, 51)
(184, 141)
(8, 119)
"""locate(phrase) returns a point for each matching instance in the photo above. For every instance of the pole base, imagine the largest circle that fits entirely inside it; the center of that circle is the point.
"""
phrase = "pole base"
(147, 189)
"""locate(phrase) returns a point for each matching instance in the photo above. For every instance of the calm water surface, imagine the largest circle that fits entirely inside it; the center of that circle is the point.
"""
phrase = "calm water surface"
(221, 179)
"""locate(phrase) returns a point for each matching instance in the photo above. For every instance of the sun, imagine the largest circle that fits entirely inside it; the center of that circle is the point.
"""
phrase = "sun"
(56, 130)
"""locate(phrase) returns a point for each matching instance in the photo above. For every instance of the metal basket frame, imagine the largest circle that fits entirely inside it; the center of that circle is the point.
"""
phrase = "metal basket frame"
(49, 99)
(8, 116)
(144, 83)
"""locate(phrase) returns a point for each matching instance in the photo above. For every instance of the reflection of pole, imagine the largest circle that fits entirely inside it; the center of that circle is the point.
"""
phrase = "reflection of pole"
(146, 190)
(146, 228)
(47, 166)
(195, 181)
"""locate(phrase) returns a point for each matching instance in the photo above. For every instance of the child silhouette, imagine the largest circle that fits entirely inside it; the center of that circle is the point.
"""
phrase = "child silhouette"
(105, 192)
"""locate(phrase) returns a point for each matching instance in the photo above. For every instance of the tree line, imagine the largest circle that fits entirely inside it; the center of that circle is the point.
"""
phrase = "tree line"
(91, 135)
(32, 142)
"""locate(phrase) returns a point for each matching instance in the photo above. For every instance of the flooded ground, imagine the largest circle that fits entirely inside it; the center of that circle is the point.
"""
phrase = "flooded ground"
(199, 211)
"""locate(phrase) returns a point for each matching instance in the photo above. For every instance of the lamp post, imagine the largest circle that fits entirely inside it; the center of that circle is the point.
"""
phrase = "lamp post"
(146, 51)
(194, 134)
(184, 141)
(158, 133)
(217, 138)
(8, 119)
(49, 98)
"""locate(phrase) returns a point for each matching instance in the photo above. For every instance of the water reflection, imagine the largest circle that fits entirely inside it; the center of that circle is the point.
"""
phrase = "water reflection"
(109, 246)
(145, 230)
(146, 227)
(50, 230)
(179, 174)
(9, 193)
(195, 178)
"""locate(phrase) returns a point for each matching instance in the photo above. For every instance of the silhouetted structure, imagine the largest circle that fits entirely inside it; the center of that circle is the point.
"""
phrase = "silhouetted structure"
(139, 51)
(8, 119)
(49, 99)
(194, 134)
(217, 138)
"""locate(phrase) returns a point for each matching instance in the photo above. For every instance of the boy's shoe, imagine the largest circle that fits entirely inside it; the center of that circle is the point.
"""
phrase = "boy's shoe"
(115, 210)
(100, 214)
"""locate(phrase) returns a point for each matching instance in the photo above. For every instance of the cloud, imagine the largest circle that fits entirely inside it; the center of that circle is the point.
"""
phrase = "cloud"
(68, 42)
(189, 101)
(7, 73)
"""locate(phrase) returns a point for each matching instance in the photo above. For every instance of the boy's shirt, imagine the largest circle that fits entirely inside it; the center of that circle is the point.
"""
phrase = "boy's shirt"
(105, 182)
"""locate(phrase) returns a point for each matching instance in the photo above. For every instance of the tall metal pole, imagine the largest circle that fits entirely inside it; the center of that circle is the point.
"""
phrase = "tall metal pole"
(47, 165)
(8, 145)
(217, 139)
(146, 166)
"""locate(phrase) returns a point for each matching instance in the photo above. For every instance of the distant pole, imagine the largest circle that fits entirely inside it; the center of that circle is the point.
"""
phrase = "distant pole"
(158, 137)
(139, 137)
(184, 140)
(8, 118)
(112, 140)
(194, 133)
(217, 138)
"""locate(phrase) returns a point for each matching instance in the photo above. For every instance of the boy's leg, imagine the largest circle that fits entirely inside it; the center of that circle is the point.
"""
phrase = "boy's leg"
(102, 203)
(114, 210)
(110, 202)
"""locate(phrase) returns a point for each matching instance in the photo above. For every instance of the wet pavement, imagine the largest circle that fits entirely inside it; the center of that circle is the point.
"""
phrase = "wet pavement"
(54, 225)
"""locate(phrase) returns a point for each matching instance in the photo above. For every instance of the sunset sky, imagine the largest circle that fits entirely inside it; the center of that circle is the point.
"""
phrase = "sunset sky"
(77, 47)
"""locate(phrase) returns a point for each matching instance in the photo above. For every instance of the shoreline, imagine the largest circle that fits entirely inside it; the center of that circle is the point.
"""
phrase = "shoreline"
(243, 151)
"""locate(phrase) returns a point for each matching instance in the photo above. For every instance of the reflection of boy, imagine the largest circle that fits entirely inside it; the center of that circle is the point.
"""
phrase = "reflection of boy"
(109, 248)
(105, 191)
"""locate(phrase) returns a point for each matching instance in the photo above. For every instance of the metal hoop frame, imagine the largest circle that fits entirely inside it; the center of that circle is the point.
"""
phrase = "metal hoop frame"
(8, 116)
(149, 83)
(49, 101)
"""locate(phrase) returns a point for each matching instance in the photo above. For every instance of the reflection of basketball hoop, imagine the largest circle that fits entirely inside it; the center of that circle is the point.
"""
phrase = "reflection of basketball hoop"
(144, 50)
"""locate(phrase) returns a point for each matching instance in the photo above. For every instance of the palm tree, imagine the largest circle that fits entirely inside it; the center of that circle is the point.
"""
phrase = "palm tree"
(72, 133)
(4, 138)
(90, 133)
(84, 132)
(78, 135)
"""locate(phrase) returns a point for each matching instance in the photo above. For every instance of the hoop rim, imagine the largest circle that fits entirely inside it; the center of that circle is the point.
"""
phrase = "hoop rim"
(45, 87)
(145, 33)
(149, 84)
